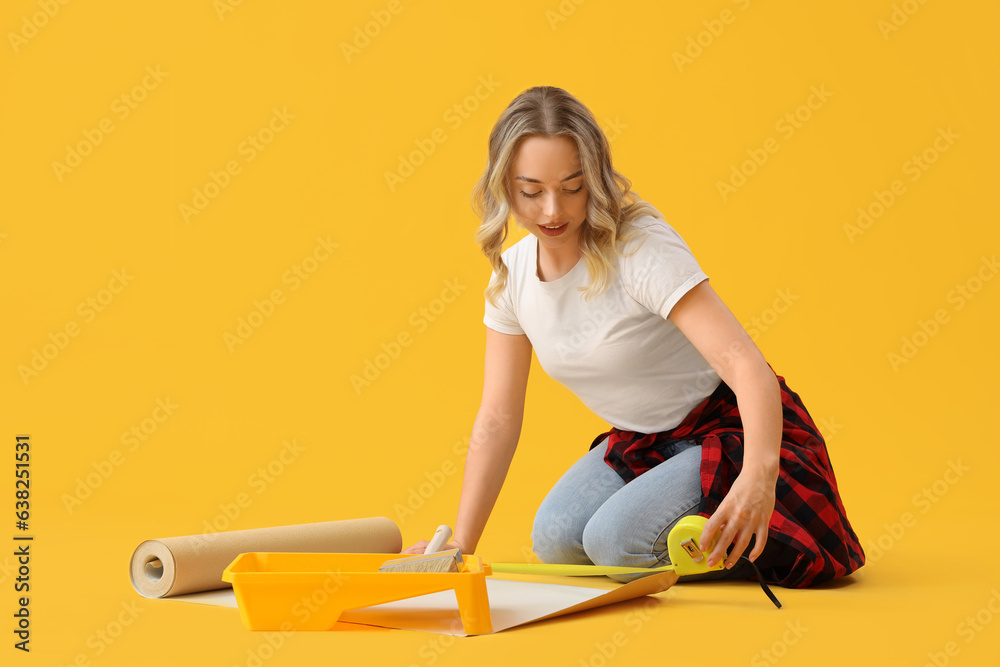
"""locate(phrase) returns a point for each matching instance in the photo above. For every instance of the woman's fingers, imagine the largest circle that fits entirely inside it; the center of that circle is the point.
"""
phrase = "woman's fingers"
(421, 546)
(728, 532)
(708, 531)
(741, 544)
(743, 528)
(758, 546)
(417, 548)
(736, 527)
(714, 534)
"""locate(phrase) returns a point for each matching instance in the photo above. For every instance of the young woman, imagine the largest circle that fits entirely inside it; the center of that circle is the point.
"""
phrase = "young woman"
(616, 307)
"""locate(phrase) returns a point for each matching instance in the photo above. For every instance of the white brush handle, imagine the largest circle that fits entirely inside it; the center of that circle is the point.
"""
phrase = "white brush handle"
(441, 537)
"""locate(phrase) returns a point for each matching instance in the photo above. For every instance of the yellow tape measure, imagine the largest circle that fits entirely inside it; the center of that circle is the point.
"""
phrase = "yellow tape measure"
(686, 557)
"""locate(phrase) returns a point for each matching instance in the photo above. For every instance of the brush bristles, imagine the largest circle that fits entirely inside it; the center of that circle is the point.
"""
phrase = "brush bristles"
(442, 561)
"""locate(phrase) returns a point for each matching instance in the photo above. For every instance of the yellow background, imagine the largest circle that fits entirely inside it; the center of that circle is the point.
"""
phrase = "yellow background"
(677, 127)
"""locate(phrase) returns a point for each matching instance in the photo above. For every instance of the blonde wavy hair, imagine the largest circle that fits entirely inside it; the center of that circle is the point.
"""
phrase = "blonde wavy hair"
(547, 111)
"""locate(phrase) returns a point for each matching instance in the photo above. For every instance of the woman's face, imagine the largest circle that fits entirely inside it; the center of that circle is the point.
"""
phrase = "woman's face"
(547, 189)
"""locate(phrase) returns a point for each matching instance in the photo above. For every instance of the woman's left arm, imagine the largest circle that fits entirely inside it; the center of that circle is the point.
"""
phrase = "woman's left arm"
(716, 333)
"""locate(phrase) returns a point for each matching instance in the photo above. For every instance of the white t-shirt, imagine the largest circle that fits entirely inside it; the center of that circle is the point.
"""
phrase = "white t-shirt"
(618, 353)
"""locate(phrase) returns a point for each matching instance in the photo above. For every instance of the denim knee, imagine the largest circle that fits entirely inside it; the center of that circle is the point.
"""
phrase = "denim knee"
(622, 544)
(615, 544)
(557, 537)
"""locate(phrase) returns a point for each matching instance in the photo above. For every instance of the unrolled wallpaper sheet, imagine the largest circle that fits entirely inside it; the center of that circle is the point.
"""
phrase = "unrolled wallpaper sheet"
(512, 603)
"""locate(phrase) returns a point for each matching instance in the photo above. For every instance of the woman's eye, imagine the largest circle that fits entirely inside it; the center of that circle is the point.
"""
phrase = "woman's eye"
(535, 194)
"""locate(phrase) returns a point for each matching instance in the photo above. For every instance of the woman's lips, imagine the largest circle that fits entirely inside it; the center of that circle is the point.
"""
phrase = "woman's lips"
(553, 232)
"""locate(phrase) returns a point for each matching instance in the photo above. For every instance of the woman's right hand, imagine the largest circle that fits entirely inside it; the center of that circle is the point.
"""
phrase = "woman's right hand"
(420, 546)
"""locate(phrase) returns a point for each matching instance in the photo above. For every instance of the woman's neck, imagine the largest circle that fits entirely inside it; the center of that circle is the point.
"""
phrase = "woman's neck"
(553, 264)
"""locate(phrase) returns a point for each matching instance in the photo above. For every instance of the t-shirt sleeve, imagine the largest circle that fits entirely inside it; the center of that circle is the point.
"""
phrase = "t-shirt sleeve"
(662, 270)
(502, 317)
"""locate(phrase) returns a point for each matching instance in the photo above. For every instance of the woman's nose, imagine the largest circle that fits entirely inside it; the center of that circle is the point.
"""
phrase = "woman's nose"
(552, 206)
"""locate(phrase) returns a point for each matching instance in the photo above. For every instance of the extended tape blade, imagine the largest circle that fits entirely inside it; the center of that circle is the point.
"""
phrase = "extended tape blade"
(573, 570)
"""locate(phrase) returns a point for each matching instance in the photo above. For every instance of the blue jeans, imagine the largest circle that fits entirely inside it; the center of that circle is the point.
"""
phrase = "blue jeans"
(591, 516)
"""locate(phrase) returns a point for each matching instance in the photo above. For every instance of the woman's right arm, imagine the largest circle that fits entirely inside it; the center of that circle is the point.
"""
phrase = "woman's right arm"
(495, 433)
(494, 437)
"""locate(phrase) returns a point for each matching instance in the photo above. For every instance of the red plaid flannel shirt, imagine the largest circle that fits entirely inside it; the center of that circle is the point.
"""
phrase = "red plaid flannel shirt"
(809, 523)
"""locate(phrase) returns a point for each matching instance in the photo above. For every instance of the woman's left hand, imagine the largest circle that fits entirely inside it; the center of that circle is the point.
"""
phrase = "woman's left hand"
(745, 511)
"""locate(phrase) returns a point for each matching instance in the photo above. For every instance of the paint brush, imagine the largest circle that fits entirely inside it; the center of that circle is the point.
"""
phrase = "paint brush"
(442, 561)
(440, 538)
(432, 560)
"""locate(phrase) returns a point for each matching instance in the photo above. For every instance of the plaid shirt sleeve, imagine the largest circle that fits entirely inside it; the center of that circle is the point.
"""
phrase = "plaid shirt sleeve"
(809, 521)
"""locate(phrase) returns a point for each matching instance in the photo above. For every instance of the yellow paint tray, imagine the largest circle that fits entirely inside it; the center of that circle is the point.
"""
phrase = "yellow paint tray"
(309, 591)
